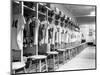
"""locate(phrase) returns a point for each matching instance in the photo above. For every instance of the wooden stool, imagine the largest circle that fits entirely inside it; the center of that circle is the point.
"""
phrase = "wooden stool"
(72, 52)
(69, 52)
(54, 61)
(66, 55)
(63, 54)
(18, 65)
(75, 51)
(38, 59)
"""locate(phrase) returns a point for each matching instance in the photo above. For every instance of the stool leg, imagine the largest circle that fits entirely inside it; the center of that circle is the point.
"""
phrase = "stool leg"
(39, 65)
(73, 52)
(63, 57)
(53, 62)
(13, 72)
(69, 54)
(25, 70)
(58, 60)
(46, 65)
(36, 64)
(30, 64)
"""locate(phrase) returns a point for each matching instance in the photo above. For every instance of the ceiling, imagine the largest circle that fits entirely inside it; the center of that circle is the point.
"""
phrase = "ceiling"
(82, 13)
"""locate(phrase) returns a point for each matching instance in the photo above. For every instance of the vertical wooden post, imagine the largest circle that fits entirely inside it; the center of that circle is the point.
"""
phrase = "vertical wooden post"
(48, 44)
(47, 22)
(22, 8)
(37, 29)
(54, 31)
(22, 11)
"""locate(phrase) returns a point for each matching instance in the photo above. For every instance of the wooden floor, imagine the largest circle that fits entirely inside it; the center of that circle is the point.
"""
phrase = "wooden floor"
(85, 60)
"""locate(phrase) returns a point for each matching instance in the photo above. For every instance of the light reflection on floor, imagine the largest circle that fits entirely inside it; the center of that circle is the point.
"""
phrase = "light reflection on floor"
(85, 60)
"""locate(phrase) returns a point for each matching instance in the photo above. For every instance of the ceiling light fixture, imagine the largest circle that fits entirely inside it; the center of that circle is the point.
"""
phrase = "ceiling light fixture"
(92, 13)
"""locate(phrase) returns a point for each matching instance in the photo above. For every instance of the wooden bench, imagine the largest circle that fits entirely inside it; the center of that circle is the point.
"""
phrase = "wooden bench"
(39, 64)
(53, 60)
(18, 65)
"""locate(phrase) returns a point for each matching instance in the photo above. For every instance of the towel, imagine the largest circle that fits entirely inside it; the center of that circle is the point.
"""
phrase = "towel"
(17, 32)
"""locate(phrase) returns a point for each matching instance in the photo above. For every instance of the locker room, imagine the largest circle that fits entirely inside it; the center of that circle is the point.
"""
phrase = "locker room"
(51, 37)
